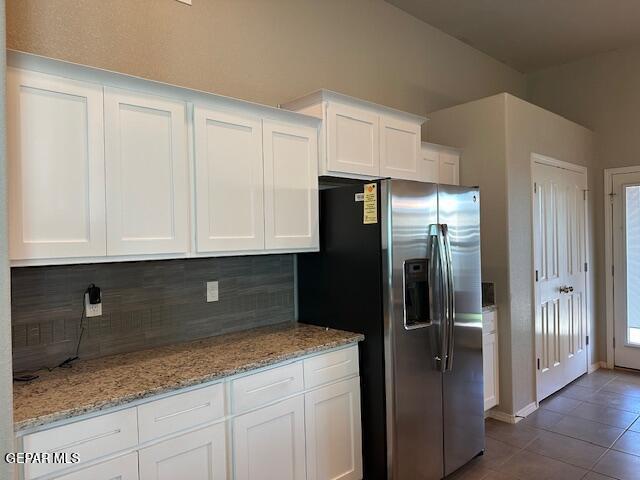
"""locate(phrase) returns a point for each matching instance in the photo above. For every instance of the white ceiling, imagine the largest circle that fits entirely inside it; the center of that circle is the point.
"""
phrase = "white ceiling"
(533, 34)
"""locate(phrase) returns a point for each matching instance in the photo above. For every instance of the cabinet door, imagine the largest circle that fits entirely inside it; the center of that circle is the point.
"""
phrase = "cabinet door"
(449, 167)
(352, 141)
(291, 186)
(334, 439)
(268, 444)
(121, 468)
(147, 174)
(430, 164)
(199, 455)
(229, 182)
(56, 167)
(399, 149)
(490, 370)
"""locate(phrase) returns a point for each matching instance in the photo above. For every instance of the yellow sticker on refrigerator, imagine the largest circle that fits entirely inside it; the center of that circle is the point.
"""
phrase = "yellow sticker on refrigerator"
(370, 203)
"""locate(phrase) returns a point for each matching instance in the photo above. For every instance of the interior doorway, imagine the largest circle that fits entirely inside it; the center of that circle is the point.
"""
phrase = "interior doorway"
(624, 204)
(560, 266)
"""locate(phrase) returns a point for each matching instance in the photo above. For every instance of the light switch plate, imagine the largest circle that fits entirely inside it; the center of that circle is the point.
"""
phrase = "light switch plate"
(212, 291)
(92, 310)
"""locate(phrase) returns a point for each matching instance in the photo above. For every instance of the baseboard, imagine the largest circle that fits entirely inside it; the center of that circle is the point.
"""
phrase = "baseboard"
(510, 417)
(501, 416)
(596, 366)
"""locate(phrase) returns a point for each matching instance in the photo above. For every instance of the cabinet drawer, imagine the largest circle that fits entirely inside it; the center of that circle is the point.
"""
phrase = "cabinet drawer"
(330, 367)
(179, 412)
(489, 322)
(92, 438)
(121, 468)
(264, 387)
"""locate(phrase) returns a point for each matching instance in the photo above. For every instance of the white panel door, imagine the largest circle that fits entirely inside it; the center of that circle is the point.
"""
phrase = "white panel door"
(333, 431)
(120, 468)
(229, 182)
(448, 171)
(291, 186)
(269, 444)
(575, 275)
(399, 149)
(147, 174)
(560, 307)
(199, 455)
(430, 164)
(56, 167)
(352, 141)
(626, 260)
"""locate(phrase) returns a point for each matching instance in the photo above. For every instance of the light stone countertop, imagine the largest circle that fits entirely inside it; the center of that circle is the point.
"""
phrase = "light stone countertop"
(100, 383)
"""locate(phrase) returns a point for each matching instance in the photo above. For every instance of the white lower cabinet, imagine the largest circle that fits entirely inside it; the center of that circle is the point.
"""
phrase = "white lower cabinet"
(199, 455)
(269, 444)
(297, 420)
(333, 432)
(121, 468)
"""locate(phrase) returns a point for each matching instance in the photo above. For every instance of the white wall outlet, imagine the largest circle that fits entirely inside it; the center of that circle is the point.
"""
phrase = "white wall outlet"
(92, 310)
(212, 291)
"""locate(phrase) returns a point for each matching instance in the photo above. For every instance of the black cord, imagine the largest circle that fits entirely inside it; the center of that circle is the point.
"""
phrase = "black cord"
(28, 375)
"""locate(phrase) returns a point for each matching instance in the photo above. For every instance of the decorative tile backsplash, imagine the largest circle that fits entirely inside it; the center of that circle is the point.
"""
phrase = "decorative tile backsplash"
(144, 304)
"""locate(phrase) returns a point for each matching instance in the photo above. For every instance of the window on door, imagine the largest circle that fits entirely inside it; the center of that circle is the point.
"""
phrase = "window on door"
(632, 240)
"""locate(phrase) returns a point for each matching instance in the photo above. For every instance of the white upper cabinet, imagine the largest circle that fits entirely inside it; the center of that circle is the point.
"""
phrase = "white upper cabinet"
(439, 164)
(449, 167)
(360, 139)
(147, 174)
(56, 167)
(229, 182)
(106, 167)
(399, 149)
(352, 140)
(291, 186)
(429, 164)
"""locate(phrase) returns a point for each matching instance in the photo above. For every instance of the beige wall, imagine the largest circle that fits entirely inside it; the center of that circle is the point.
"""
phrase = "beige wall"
(602, 93)
(498, 135)
(6, 381)
(531, 129)
(267, 51)
(479, 128)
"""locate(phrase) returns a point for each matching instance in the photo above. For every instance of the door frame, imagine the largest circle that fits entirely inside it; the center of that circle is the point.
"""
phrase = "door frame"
(608, 256)
(553, 162)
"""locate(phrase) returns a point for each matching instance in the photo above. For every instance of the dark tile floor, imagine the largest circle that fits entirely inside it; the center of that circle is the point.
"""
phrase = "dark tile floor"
(589, 430)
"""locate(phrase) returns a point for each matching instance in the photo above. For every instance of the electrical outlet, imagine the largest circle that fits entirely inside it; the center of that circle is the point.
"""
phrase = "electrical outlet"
(94, 310)
(212, 291)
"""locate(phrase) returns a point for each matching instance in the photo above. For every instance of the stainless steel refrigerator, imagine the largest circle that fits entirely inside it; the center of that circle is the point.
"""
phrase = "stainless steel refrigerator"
(403, 268)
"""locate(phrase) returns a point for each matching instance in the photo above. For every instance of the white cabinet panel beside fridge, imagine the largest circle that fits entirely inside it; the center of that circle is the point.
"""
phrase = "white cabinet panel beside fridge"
(490, 359)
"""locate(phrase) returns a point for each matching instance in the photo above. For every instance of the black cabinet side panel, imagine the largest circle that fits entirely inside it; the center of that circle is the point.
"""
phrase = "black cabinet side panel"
(341, 287)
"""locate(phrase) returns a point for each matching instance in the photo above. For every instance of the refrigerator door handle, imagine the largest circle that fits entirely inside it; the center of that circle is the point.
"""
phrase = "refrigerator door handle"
(439, 277)
(450, 303)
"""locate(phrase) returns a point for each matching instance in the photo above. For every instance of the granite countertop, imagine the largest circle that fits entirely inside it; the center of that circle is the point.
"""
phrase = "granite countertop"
(97, 384)
(490, 307)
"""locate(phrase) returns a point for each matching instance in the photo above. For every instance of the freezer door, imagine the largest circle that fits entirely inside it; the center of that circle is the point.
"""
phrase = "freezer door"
(463, 404)
(413, 380)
